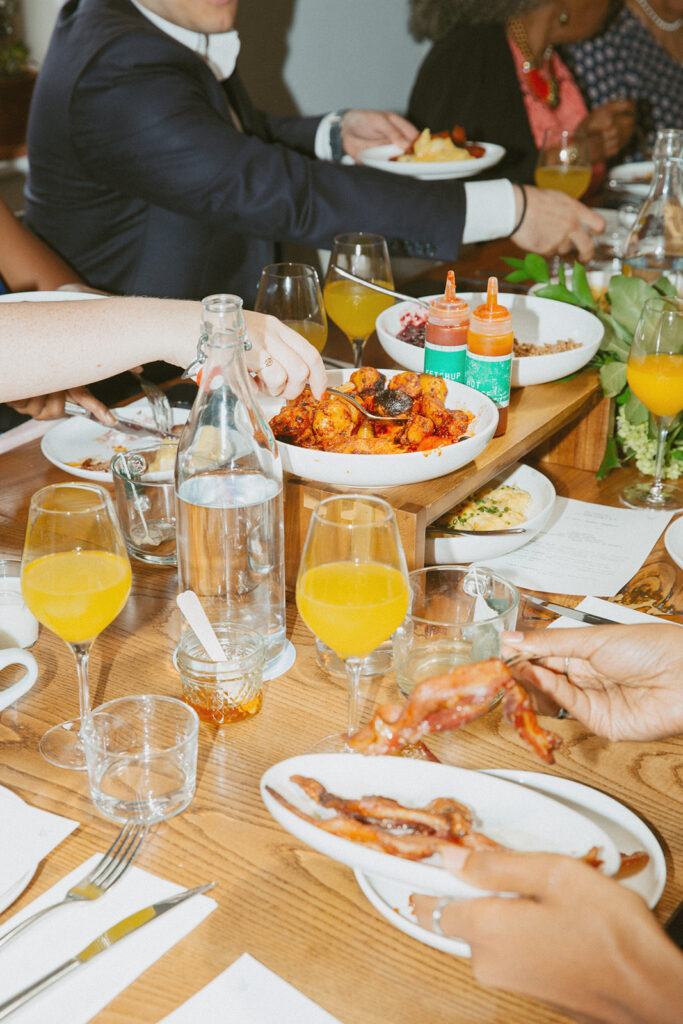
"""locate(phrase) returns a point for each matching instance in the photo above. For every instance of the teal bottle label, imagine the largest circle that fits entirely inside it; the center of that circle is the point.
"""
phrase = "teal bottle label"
(447, 361)
(491, 375)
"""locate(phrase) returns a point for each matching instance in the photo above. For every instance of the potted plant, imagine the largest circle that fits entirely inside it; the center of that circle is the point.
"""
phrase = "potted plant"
(17, 80)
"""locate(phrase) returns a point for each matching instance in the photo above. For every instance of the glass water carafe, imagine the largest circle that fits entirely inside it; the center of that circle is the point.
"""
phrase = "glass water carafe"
(230, 531)
(654, 246)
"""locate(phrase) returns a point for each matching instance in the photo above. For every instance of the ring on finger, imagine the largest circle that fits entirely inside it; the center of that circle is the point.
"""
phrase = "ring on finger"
(436, 917)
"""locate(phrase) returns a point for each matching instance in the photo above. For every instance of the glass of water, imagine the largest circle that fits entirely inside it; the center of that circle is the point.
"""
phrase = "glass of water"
(145, 501)
(456, 615)
(141, 754)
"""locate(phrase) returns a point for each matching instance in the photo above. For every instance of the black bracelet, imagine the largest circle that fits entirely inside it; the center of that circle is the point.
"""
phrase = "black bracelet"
(522, 214)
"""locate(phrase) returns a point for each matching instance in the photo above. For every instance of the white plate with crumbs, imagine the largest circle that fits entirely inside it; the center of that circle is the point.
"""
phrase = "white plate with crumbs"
(625, 828)
(516, 816)
(381, 158)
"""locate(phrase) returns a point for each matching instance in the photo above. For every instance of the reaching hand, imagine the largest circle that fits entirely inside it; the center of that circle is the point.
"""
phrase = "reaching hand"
(609, 128)
(364, 128)
(51, 406)
(556, 223)
(573, 938)
(622, 682)
(282, 359)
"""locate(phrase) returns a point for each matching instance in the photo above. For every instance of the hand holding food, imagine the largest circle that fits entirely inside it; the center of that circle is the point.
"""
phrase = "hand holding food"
(568, 917)
(623, 682)
(440, 147)
(362, 129)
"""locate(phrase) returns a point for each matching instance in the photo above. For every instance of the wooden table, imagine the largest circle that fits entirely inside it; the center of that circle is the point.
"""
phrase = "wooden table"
(299, 913)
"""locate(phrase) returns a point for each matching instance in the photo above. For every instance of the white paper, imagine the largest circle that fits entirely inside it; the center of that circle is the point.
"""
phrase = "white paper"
(248, 993)
(27, 834)
(609, 610)
(584, 549)
(57, 937)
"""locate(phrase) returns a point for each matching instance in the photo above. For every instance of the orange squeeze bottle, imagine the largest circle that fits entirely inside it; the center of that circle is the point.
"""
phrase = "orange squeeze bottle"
(446, 334)
(489, 353)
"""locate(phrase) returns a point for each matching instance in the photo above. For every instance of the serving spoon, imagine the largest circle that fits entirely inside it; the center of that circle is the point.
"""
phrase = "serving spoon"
(361, 408)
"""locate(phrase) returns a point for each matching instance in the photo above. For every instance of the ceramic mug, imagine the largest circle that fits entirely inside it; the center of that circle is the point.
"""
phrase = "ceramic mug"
(17, 656)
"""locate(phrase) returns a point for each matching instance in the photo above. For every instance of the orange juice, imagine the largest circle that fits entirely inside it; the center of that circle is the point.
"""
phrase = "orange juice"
(657, 380)
(76, 593)
(310, 330)
(352, 607)
(572, 180)
(354, 308)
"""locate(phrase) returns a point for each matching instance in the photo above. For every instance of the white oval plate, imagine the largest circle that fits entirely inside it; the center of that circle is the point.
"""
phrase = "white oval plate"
(74, 439)
(673, 540)
(14, 876)
(623, 827)
(449, 550)
(625, 177)
(389, 470)
(511, 814)
(379, 157)
(535, 321)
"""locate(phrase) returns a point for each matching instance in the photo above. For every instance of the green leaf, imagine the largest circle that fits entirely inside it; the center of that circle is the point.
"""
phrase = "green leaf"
(664, 286)
(610, 459)
(627, 296)
(616, 340)
(580, 286)
(517, 275)
(677, 454)
(537, 267)
(513, 261)
(634, 410)
(561, 275)
(559, 292)
(613, 378)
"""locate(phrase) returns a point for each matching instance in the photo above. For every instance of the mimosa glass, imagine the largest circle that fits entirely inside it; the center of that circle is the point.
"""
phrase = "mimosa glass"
(75, 578)
(352, 589)
(655, 375)
(349, 304)
(563, 162)
(291, 292)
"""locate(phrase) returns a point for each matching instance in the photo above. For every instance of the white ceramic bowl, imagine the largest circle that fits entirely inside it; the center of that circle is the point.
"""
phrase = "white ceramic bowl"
(535, 321)
(673, 540)
(390, 470)
(380, 157)
(628, 177)
(447, 550)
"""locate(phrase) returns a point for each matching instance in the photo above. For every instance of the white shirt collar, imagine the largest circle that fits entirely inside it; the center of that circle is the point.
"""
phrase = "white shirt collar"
(220, 50)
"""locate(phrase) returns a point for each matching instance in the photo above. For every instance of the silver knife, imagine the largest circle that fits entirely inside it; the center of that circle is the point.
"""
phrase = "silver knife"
(571, 613)
(118, 931)
(434, 530)
(122, 424)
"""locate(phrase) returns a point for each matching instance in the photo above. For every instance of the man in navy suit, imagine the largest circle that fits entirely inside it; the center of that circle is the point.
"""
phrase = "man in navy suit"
(152, 173)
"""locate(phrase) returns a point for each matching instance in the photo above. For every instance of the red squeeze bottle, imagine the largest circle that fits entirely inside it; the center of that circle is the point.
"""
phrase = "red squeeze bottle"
(446, 334)
(489, 353)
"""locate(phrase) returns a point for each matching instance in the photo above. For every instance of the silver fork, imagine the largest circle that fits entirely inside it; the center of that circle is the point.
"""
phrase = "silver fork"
(160, 405)
(106, 873)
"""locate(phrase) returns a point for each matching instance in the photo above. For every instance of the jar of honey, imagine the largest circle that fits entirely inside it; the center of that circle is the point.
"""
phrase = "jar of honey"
(489, 353)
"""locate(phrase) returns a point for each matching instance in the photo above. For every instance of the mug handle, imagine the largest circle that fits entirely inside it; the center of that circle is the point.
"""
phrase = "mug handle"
(17, 656)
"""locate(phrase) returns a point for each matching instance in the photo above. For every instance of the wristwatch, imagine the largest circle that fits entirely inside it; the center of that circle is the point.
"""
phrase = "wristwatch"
(336, 145)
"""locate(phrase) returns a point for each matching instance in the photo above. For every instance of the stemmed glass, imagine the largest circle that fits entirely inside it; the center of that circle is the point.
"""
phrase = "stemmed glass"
(655, 375)
(353, 307)
(352, 588)
(75, 578)
(291, 292)
(563, 162)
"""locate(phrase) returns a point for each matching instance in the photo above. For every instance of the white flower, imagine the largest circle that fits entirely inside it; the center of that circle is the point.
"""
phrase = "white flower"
(638, 444)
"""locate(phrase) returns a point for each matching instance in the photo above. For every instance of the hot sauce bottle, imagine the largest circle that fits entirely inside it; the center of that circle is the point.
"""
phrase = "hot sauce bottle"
(489, 353)
(446, 334)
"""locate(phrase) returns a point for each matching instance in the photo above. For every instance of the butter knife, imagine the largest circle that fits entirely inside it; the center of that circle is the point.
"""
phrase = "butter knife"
(571, 613)
(124, 425)
(117, 931)
(433, 530)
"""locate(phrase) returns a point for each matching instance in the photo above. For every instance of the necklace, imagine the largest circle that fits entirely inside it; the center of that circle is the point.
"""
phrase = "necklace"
(544, 86)
(665, 26)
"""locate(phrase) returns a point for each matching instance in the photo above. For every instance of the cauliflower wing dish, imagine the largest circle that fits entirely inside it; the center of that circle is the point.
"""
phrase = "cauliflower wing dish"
(335, 425)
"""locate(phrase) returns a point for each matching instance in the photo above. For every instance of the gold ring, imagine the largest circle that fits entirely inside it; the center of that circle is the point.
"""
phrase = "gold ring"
(268, 361)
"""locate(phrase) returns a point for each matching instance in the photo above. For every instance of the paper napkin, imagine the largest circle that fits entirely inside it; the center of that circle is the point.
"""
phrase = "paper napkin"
(28, 835)
(49, 942)
(251, 994)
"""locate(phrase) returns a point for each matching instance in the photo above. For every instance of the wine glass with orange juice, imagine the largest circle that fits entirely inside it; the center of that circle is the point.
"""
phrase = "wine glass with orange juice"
(655, 375)
(352, 589)
(563, 162)
(291, 292)
(349, 304)
(75, 578)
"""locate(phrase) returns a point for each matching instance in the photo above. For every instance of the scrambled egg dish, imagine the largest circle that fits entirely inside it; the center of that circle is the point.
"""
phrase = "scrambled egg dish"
(491, 509)
(429, 148)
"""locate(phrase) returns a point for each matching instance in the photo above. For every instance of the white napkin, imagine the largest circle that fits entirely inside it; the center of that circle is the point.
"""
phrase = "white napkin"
(28, 835)
(24, 433)
(48, 943)
(609, 610)
(248, 993)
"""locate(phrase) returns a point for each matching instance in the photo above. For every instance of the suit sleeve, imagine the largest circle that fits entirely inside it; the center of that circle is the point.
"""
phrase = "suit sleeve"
(149, 129)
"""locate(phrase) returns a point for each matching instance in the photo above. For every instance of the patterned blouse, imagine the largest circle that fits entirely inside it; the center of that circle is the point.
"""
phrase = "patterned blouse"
(626, 62)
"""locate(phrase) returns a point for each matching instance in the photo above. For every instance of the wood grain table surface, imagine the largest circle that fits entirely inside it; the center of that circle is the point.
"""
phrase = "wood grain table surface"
(298, 912)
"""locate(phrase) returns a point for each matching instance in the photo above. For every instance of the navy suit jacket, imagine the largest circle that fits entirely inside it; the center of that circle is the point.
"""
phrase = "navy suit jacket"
(140, 179)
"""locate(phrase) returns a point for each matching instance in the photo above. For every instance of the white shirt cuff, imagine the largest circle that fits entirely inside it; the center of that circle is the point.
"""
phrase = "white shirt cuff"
(491, 210)
(323, 149)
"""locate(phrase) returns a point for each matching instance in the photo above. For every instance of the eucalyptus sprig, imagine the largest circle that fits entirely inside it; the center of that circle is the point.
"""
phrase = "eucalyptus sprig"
(625, 299)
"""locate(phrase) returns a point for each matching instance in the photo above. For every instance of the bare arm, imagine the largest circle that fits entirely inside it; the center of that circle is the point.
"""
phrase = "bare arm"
(26, 263)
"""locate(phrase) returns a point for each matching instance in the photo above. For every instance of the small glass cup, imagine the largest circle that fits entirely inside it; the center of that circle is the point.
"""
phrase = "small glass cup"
(227, 691)
(18, 625)
(145, 501)
(456, 616)
(141, 754)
